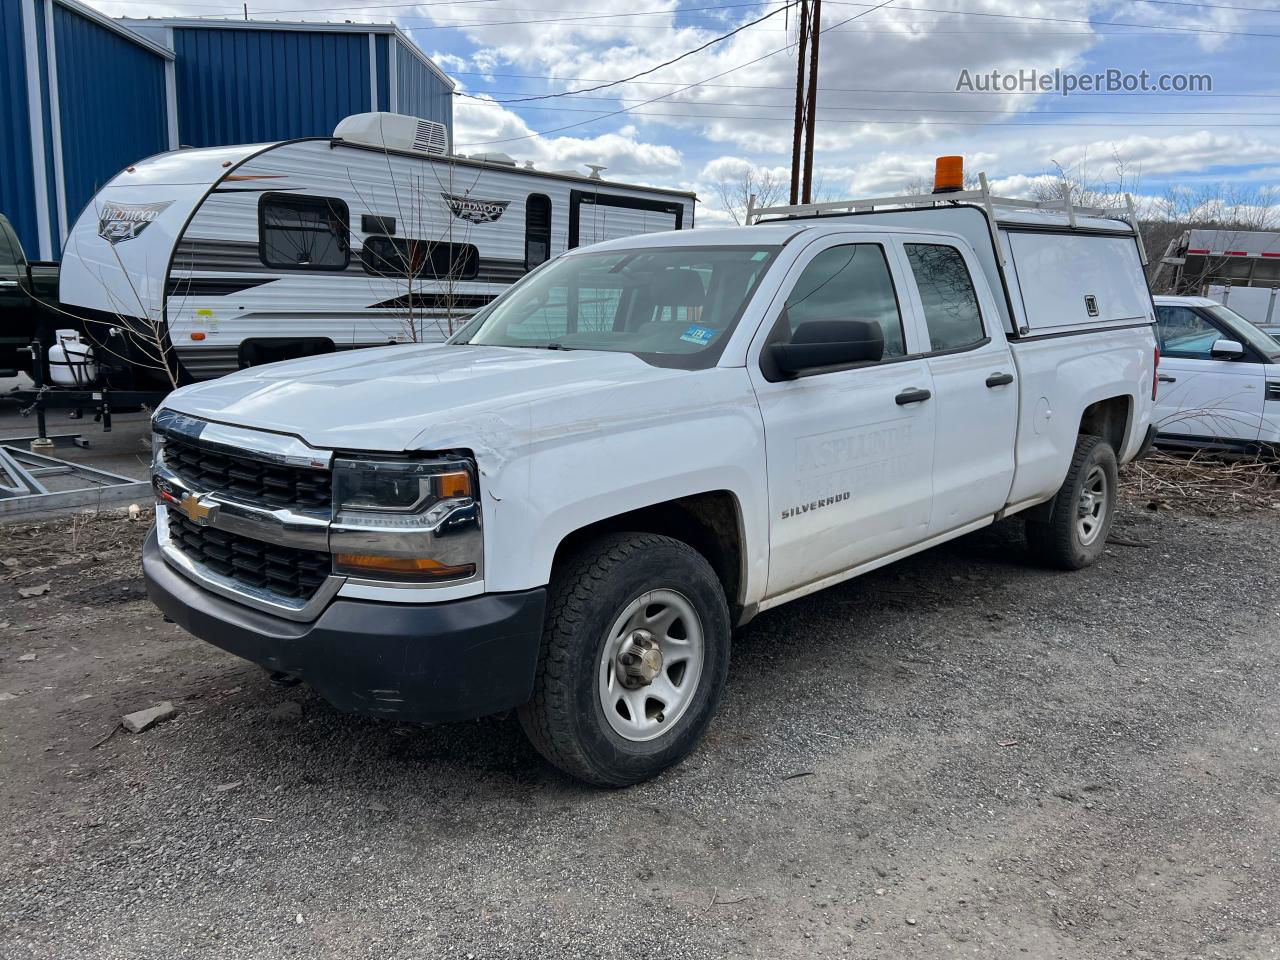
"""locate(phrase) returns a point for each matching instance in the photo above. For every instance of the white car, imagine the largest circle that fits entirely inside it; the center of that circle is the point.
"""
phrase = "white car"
(568, 507)
(1219, 378)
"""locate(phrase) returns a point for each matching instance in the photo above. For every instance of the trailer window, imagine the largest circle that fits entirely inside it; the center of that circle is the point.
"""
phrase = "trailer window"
(401, 258)
(537, 230)
(946, 292)
(303, 233)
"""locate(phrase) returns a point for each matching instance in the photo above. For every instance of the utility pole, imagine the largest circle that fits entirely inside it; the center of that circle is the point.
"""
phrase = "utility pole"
(806, 102)
(811, 98)
(798, 133)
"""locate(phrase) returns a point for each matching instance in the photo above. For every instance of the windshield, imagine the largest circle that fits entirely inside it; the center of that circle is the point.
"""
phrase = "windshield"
(1245, 329)
(671, 307)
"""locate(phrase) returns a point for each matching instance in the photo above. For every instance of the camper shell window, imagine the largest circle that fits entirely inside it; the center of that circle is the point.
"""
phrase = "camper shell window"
(303, 233)
(400, 258)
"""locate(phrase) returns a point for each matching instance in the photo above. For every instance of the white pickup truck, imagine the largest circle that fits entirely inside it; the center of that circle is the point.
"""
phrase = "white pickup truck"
(568, 507)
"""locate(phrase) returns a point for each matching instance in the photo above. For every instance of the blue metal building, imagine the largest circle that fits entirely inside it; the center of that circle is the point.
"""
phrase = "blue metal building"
(91, 95)
(84, 97)
(247, 81)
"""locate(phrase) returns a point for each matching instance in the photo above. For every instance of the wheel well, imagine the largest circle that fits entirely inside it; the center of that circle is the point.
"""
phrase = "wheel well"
(708, 522)
(1108, 419)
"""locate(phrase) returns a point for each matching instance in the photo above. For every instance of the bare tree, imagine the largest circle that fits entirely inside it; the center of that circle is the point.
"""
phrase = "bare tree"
(737, 190)
(1085, 185)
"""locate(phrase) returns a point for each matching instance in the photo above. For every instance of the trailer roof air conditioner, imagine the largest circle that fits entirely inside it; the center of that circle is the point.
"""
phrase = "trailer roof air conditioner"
(394, 131)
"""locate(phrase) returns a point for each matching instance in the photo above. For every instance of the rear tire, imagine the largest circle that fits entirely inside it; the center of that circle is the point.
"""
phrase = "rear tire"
(635, 652)
(1075, 535)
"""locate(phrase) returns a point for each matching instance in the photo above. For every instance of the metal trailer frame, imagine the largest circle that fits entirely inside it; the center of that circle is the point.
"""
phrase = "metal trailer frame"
(22, 492)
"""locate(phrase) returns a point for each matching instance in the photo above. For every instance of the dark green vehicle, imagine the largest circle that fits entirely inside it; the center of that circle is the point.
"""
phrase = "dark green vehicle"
(28, 293)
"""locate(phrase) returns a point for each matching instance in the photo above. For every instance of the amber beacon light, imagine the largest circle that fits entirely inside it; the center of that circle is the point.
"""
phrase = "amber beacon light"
(948, 174)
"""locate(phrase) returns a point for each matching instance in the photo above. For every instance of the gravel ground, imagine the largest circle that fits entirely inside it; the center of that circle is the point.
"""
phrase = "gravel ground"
(958, 755)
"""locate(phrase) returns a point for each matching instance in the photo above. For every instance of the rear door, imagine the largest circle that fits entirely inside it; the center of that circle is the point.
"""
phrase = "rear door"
(974, 383)
(1201, 398)
(849, 450)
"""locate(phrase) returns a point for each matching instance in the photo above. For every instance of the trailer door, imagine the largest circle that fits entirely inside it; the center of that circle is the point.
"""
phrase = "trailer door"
(594, 217)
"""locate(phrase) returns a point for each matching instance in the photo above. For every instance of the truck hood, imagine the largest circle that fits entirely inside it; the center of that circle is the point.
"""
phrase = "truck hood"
(428, 397)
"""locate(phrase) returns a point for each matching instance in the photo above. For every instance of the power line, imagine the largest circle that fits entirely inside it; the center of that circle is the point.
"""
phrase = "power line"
(1100, 23)
(787, 106)
(723, 73)
(653, 69)
(674, 11)
(876, 90)
(945, 123)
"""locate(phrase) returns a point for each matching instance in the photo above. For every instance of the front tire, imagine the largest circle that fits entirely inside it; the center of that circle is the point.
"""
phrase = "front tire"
(635, 652)
(1075, 535)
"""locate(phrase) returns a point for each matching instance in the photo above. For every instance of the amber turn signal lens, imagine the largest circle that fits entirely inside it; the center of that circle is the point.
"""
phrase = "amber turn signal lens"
(197, 335)
(450, 485)
(417, 567)
(948, 174)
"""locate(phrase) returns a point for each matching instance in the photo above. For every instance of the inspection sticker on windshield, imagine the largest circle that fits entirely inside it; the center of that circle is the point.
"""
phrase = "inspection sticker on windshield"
(699, 335)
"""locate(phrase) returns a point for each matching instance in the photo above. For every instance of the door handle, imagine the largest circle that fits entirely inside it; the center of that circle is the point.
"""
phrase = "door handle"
(8, 283)
(999, 379)
(1165, 378)
(914, 395)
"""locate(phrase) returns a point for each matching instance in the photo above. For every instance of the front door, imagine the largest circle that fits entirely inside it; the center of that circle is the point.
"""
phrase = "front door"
(849, 450)
(974, 382)
(1202, 398)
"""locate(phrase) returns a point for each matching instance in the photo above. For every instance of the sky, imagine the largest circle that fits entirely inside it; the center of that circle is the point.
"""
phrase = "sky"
(888, 102)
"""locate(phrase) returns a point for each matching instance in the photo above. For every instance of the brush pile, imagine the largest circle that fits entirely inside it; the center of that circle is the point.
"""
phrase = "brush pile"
(1202, 484)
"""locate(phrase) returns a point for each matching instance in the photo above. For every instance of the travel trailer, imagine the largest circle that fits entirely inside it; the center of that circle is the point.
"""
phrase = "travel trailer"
(241, 255)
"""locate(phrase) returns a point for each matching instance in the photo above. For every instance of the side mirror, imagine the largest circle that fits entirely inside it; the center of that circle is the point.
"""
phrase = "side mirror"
(827, 343)
(1227, 350)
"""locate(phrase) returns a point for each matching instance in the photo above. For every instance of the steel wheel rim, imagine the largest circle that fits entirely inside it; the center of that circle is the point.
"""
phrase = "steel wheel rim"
(641, 711)
(1091, 511)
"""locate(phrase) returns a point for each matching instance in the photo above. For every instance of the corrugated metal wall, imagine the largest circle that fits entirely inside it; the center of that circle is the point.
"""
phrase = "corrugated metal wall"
(111, 100)
(17, 188)
(421, 93)
(251, 86)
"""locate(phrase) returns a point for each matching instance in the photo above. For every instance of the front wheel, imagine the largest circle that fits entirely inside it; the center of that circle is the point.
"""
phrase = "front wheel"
(635, 652)
(1076, 533)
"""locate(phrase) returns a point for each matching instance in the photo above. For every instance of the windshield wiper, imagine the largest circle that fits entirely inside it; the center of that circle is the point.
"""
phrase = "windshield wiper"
(557, 346)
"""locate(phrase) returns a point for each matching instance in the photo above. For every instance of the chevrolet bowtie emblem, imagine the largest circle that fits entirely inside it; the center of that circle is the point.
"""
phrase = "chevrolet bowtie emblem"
(197, 510)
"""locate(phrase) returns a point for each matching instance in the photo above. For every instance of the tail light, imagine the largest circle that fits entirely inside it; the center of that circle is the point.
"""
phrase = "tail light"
(1155, 375)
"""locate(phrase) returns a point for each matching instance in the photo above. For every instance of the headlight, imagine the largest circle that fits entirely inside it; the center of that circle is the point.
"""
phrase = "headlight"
(415, 521)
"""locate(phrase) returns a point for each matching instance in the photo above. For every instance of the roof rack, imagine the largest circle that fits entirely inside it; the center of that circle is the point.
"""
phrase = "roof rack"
(982, 196)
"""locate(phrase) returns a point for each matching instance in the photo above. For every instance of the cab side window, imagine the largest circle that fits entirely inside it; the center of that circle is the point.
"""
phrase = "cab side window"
(850, 282)
(1184, 334)
(946, 291)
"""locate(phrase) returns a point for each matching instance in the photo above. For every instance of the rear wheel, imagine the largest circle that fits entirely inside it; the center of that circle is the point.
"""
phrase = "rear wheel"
(634, 657)
(1076, 533)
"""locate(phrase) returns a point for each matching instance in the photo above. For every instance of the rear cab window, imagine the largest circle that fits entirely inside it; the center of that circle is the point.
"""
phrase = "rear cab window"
(947, 294)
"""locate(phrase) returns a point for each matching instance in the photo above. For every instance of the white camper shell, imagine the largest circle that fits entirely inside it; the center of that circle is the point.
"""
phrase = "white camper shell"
(1063, 269)
(249, 254)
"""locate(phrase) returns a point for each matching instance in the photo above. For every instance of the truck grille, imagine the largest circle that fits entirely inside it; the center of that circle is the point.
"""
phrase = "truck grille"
(245, 478)
(285, 571)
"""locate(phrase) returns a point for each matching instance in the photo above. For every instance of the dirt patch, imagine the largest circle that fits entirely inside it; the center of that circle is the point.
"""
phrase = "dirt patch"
(958, 754)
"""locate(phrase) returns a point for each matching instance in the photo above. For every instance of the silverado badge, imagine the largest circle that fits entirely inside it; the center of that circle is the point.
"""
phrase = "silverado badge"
(473, 210)
(118, 222)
